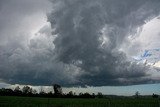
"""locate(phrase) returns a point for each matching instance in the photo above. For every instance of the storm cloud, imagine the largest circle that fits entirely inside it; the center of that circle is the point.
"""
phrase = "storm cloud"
(81, 44)
(90, 34)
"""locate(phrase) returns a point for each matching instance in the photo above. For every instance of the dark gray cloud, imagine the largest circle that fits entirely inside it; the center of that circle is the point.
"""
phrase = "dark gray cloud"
(83, 48)
(90, 34)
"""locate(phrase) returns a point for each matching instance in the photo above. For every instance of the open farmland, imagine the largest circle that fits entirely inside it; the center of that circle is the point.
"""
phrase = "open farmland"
(9, 101)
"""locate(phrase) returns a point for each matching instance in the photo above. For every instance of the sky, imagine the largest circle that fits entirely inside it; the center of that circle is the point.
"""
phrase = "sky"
(83, 45)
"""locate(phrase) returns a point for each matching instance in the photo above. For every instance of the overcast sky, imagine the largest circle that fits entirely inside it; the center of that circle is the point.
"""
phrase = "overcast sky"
(79, 43)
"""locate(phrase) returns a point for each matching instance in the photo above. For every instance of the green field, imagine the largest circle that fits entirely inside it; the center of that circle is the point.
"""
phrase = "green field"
(7, 101)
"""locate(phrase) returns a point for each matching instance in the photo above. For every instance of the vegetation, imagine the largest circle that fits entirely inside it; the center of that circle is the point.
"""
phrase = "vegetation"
(29, 92)
(28, 97)
(13, 101)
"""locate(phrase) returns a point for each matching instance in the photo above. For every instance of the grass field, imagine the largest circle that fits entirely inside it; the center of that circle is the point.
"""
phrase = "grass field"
(8, 101)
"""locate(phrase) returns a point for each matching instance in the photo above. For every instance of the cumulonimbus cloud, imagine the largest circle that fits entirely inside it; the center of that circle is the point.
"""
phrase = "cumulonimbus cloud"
(90, 34)
(84, 47)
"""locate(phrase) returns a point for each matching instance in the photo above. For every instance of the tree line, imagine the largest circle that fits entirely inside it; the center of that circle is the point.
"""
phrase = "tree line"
(30, 92)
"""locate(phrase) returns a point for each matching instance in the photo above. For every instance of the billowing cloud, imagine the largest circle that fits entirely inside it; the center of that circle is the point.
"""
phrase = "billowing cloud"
(90, 34)
(81, 44)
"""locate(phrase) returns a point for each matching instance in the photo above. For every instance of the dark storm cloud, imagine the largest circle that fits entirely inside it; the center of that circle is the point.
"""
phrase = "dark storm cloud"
(90, 34)
(25, 59)
(83, 48)
(33, 63)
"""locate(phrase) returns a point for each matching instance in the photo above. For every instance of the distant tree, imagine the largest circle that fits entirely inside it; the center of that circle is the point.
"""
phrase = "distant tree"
(155, 95)
(50, 94)
(34, 91)
(80, 94)
(86, 95)
(57, 89)
(8, 92)
(17, 88)
(93, 95)
(71, 93)
(27, 90)
(99, 95)
(42, 94)
(137, 94)
(17, 91)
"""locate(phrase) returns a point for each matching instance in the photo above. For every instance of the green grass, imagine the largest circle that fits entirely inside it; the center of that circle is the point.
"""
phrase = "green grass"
(8, 101)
